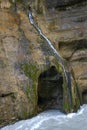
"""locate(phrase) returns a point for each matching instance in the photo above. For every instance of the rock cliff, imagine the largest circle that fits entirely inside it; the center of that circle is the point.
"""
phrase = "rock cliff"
(26, 63)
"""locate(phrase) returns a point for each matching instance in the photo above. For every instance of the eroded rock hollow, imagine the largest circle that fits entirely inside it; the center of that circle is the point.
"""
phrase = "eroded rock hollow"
(31, 78)
(50, 90)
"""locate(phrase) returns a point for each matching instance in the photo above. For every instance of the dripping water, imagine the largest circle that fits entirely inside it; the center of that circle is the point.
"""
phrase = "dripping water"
(55, 53)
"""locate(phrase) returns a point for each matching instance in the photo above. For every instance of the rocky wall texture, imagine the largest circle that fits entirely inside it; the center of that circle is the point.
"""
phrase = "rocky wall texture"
(67, 29)
(61, 3)
(25, 57)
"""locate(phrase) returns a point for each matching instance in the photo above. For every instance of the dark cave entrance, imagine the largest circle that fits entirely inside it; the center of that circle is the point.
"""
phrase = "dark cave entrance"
(84, 96)
(50, 90)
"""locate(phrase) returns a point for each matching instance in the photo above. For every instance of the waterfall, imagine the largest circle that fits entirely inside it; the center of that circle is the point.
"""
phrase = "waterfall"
(55, 53)
(67, 74)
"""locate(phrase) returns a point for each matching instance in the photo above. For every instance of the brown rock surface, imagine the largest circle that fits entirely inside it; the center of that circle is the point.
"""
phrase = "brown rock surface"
(68, 31)
(10, 93)
(24, 55)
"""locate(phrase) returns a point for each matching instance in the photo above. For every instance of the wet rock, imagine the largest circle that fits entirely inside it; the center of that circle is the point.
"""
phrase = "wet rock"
(69, 34)
(22, 59)
(24, 56)
(50, 90)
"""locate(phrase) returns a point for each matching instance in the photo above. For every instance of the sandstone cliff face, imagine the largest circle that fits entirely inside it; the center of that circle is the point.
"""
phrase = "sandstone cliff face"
(68, 31)
(60, 3)
(25, 58)
(22, 60)
(11, 51)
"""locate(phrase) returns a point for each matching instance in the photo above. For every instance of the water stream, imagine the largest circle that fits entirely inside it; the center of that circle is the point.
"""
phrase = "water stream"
(60, 60)
(53, 120)
(55, 52)
(67, 75)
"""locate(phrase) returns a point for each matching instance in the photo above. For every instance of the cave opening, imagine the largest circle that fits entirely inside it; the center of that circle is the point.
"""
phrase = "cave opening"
(50, 90)
(84, 96)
